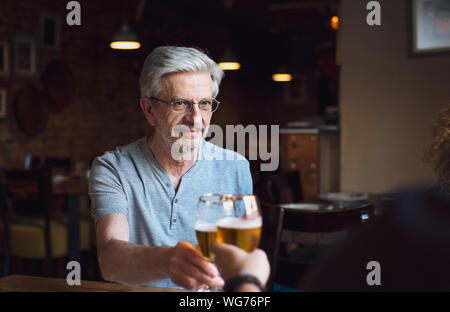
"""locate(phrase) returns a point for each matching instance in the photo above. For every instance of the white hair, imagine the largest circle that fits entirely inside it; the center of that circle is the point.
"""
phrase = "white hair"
(170, 59)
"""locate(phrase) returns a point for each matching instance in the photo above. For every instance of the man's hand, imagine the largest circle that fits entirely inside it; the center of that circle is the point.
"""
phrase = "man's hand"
(189, 269)
(232, 260)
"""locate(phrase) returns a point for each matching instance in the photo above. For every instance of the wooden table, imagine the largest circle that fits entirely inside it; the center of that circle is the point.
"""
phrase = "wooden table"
(22, 283)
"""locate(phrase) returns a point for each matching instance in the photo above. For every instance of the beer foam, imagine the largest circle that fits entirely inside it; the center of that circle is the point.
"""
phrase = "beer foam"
(238, 223)
(206, 227)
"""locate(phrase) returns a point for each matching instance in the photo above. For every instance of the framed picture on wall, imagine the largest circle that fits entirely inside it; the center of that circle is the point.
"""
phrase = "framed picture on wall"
(428, 27)
(3, 103)
(4, 58)
(24, 55)
(50, 31)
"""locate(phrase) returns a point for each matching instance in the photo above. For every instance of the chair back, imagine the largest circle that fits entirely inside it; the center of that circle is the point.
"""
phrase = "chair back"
(58, 165)
(282, 187)
(328, 220)
(290, 270)
(27, 193)
(271, 235)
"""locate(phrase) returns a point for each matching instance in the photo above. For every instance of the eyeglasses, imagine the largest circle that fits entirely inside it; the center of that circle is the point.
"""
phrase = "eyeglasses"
(181, 106)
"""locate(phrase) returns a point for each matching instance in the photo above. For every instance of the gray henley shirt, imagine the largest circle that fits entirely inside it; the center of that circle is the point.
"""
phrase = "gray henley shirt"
(130, 180)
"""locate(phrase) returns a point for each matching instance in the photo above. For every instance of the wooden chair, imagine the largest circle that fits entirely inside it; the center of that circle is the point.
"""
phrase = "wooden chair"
(59, 202)
(289, 270)
(280, 187)
(28, 231)
(271, 235)
(65, 167)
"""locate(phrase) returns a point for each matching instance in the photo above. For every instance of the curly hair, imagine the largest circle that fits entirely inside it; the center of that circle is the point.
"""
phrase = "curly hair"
(438, 153)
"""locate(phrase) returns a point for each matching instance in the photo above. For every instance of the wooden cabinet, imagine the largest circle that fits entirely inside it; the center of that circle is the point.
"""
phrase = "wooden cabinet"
(305, 150)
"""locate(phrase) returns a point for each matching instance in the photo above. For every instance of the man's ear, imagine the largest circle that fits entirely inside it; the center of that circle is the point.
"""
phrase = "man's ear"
(146, 106)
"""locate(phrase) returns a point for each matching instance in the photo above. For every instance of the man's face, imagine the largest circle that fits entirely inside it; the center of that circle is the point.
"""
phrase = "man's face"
(194, 86)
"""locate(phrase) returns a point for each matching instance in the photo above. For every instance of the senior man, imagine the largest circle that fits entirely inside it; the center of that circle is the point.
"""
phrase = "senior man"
(144, 194)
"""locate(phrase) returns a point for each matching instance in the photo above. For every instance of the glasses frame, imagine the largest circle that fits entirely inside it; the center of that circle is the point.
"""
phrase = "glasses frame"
(191, 104)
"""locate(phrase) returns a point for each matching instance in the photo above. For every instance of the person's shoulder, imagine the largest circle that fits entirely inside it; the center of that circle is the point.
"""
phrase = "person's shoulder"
(121, 155)
(214, 152)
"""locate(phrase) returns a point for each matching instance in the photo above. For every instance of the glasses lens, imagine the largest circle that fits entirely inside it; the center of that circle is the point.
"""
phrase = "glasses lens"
(180, 105)
(205, 105)
(214, 106)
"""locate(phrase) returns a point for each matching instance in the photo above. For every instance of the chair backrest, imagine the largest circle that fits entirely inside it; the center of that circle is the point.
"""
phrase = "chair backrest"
(29, 190)
(58, 165)
(328, 220)
(271, 235)
(28, 193)
(289, 271)
(282, 187)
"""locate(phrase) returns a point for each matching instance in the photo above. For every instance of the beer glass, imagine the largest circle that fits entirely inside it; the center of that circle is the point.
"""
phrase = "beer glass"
(210, 209)
(242, 225)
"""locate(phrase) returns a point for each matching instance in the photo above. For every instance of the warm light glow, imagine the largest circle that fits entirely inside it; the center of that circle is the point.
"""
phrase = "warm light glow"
(334, 22)
(282, 77)
(229, 65)
(125, 45)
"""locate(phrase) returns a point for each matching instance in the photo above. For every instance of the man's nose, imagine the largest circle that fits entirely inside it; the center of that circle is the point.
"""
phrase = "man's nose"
(195, 114)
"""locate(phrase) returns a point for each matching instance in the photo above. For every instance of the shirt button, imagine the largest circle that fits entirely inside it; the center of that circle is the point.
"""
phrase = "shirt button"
(174, 220)
(168, 184)
(175, 201)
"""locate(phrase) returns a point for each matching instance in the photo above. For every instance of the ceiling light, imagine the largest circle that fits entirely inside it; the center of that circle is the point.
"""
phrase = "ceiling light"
(228, 62)
(125, 39)
(282, 75)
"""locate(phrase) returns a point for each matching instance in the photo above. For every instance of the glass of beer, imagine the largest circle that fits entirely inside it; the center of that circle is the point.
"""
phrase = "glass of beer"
(210, 209)
(242, 225)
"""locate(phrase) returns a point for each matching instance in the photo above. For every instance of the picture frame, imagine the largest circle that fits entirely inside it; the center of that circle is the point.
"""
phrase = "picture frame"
(4, 58)
(428, 27)
(3, 103)
(50, 31)
(25, 55)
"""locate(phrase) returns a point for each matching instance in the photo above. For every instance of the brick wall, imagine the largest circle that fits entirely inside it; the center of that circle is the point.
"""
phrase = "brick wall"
(105, 112)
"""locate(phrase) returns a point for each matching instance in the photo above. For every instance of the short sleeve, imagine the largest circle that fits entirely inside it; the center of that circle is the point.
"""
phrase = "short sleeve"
(105, 190)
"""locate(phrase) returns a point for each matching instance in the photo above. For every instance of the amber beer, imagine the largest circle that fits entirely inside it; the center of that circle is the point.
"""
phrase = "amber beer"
(240, 232)
(206, 234)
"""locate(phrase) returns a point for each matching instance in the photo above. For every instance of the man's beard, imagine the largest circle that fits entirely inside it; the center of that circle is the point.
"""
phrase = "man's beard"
(183, 143)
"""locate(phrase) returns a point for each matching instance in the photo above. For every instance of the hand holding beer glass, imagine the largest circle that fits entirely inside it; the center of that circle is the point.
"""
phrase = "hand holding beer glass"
(242, 225)
(210, 209)
(231, 219)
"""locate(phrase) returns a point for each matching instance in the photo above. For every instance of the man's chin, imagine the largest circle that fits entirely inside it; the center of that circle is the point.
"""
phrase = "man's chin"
(192, 143)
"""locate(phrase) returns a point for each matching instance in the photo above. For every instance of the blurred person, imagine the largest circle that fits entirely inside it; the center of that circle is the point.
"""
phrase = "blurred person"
(410, 243)
(438, 153)
(144, 194)
(243, 271)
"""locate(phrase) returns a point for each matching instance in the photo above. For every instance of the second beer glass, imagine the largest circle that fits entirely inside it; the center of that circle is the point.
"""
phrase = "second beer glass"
(242, 225)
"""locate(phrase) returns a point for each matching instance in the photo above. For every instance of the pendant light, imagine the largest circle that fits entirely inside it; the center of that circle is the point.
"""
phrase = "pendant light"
(125, 39)
(229, 62)
(282, 75)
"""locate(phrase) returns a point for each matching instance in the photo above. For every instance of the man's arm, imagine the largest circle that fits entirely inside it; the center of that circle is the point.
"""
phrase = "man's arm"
(131, 264)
